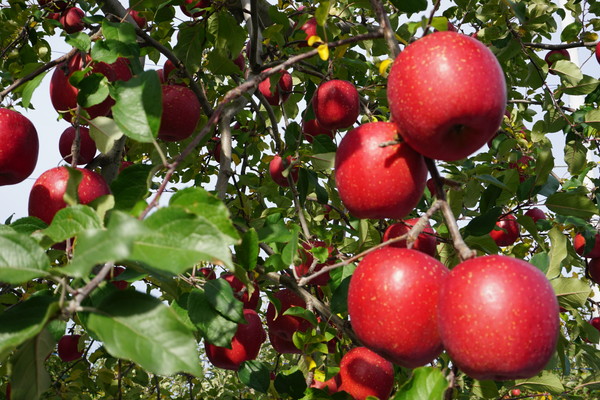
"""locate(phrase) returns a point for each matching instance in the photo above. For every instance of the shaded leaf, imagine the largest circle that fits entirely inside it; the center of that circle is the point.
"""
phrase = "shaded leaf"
(572, 204)
(426, 383)
(219, 294)
(70, 221)
(215, 328)
(29, 378)
(256, 375)
(21, 258)
(571, 292)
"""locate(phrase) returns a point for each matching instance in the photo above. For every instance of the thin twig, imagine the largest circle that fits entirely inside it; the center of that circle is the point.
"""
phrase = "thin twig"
(388, 32)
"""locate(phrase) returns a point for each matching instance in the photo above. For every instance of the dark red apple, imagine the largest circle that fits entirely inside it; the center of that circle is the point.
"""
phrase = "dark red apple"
(579, 245)
(245, 344)
(498, 318)
(336, 104)
(280, 92)
(121, 70)
(284, 326)
(595, 322)
(364, 373)
(554, 55)
(375, 181)
(112, 278)
(208, 273)
(72, 19)
(431, 186)
(19, 147)
(307, 259)
(593, 270)
(536, 214)
(189, 5)
(180, 114)
(597, 53)
(46, 196)
(311, 129)
(310, 27)
(240, 61)
(168, 69)
(393, 301)
(240, 291)
(124, 164)
(426, 241)
(276, 168)
(139, 19)
(87, 149)
(68, 348)
(441, 106)
(283, 345)
(507, 231)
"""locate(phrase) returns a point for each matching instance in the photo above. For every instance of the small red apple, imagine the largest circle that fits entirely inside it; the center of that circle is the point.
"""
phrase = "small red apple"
(597, 53)
(282, 90)
(441, 107)
(276, 168)
(554, 55)
(139, 19)
(46, 196)
(87, 149)
(536, 214)
(336, 104)
(189, 5)
(307, 260)
(19, 147)
(375, 181)
(284, 326)
(595, 322)
(498, 318)
(426, 241)
(364, 373)
(240, 291)
(515, 392)
(507, 231)
(68, 348)
(180, 114)
(579, 245)
(593, 270)
(245, 344)
(168, 69)
(392, 302)
(310, 27)
(311, 129)
(72, 19)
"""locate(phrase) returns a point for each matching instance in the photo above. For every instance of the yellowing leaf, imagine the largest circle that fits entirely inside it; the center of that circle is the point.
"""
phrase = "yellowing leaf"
(384, 66)
(310, 363)
(314, 39)
(323, 52)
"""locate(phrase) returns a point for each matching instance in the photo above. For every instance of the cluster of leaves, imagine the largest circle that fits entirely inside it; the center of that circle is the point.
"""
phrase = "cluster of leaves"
(138, 343)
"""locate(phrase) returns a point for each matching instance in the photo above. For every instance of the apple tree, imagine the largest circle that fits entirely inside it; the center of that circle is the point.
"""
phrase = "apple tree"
(240, 204)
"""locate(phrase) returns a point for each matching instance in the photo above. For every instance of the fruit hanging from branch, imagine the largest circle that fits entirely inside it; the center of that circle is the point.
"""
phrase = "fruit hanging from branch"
(19, 147)
(336, 104)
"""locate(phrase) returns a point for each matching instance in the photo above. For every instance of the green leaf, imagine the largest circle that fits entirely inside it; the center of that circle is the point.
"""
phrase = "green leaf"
(547, 381)
(256, 375)
(322, 12)
(79, 40)
(570, 33)
(592, 118)
(138, 327)
(485, 389)
(426, 383)
(29, 87)
(71, 221)
(220, 295)
(131, 186)
(120, 40)
(105, 133)
(247, 252)
(544, 163)
(575, 156)
(571, 204)
(93, 89)
(494, 181)
(339, 299)
(138, 107)
(215, 328)
(571, 292)
(568, 71)
(191, 40)
(410, 6)
(176, 241)
(302, 313)
(484, 223)
(530, 226)
(558, 252)
(585, 86)
(291, 382)
(21, 258)
(29, 378)
(25, 320)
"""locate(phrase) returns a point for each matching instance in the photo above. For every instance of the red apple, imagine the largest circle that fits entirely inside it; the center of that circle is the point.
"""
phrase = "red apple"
(46, 196)
(240, 291)
(216, 150)
(310, 27)
(87, 149)
(336, 104)
(189, 5)
(168, 69)
(597, 53)
(506, 231)
(364, 373)
(441, 106)
(284, 326)
(208, 273)
(330, 386)
(139, 19)
(595, 322)
(119, 284)
(515, 392)
(307, 260)
(393, 301)
(180, 114)
(121, 70)
(19, 147)
(311, 129)
(536, 214)
(283, 345)
(245, 344)
(68, 348)
(554, 55)
(276, 168)
(240, 61)
(280, 92)
(431, 186)
(375, 181)
(579, 245)
(498, 318)
(593, 270)
(72, 19)
(426, 241)
(124, 164)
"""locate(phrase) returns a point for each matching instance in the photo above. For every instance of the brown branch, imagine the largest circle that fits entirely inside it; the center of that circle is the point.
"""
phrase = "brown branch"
(386, 26)
(85, 291)
(559, 46)
(436, 7)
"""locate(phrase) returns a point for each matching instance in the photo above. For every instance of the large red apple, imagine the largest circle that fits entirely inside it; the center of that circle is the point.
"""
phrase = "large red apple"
(180, 114)
(506, 231)
(311, 129)
(276, 168)
(364, 373)
(498, 318)
(245, 344)
(446, 91)
(240, 291)
(281, 325)
(308, 259)
(47, 194)
(19, 147)
(393, 301)
(336, 104)
(579, 245)
(375, 181)
(426, 241)
(280, 92)
(68, 348)
(87, 148)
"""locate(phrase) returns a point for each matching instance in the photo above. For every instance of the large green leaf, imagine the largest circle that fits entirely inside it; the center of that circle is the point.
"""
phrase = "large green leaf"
(426, 383)
(21, 258)
(410, 6)
(571, 292)
(138, 106)
(105, 133)
(215, 328)
(71, 221)
(138, 327)
(29, 376)
(220, 296)
(25, 320)
(572, 204)
(547, 381)
(255, 374)
(131, 186)
(247, 251)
